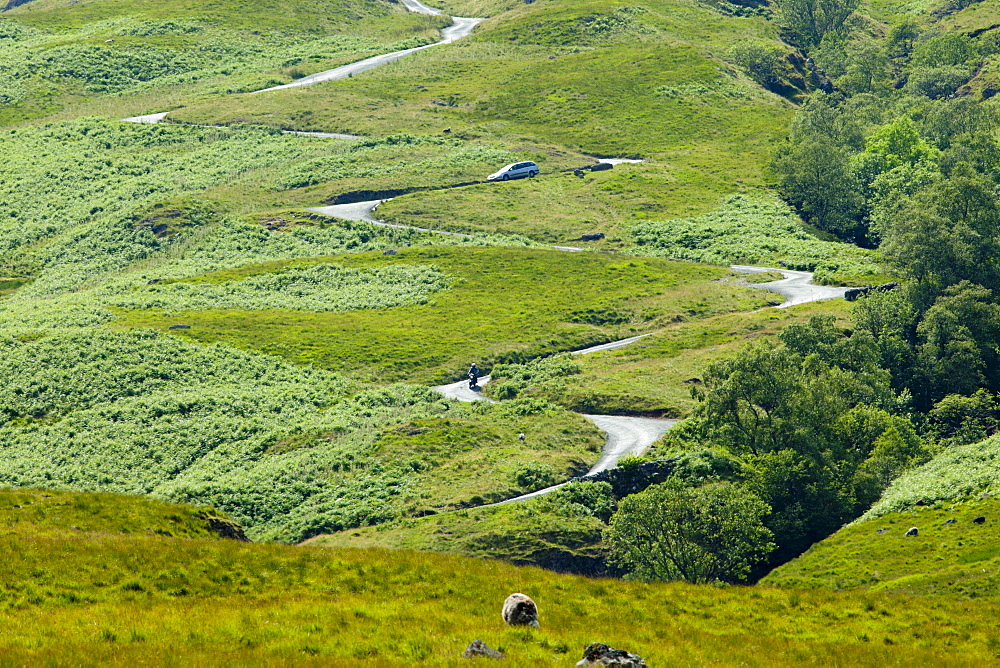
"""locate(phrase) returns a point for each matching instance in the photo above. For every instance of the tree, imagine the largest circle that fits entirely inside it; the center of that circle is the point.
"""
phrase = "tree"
(816, 178)
(810, 20)
(705, 534)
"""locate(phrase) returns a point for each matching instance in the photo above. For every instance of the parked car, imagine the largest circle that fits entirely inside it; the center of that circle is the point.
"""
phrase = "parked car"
(517, 170)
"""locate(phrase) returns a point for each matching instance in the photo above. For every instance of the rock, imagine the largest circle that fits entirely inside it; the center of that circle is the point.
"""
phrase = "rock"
(601, 166)
(921, 502)
(519, 610)
(154, 281)
(578, 172)
(979, 520)
(599, 654)
(852, 294)
(478, 648)
(390, 251)
(989, 92)
(446, 130)
(951, 521)
(224, 527)
(592, 236)
(179, 327)
(882, 531)
(912, 531)
(691, 381)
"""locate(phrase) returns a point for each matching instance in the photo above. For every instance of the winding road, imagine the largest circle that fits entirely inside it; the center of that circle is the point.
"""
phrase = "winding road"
(796, 286)
(623, 435)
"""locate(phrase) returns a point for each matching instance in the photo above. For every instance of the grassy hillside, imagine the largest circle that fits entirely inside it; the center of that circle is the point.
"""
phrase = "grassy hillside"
(564, 301)
(648, 81)
(289, 452)
(951, 557)
(113, 597)
(124, 58)
(653, 376)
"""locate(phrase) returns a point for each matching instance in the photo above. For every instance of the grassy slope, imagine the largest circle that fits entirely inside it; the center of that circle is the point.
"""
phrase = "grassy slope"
(519, 533)
(648, 377)
(114, 597)
(957, 561)
(536, 75)
(178, 51)
(477, 319)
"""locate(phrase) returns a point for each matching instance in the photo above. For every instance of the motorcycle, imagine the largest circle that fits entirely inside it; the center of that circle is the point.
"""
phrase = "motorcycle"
(473, 381)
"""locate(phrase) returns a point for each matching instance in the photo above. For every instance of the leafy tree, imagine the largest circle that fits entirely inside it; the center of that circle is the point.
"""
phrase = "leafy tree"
(893, 453)
(810, 20)
(816, 178)
(705, 534)
(958, 419)
(946, 232)
(764, 62)
(959, 342)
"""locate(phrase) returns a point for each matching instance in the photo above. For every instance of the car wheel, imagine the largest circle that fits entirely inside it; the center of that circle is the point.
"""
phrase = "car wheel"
(531, 175)
(506, 177)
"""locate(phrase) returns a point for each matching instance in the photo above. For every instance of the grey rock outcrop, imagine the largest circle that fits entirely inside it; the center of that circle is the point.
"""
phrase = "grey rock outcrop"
(477, 648)
(599, 654)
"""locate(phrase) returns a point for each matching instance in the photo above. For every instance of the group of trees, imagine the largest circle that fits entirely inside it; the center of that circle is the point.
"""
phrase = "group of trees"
(814, 428)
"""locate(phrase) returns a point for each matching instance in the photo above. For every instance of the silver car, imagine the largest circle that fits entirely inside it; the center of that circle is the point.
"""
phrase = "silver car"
(517, 170)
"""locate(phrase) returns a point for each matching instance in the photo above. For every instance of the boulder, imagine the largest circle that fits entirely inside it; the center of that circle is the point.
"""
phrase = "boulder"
(599, 654)
(912, 531)
(601, 166)
(951, 521)
(390, 251)
(179, 327)
(592, 236)
(477, 648)
(519, 610)
(979, 520)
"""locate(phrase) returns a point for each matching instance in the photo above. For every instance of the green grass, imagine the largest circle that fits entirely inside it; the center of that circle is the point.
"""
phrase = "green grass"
(655, 84)
(534, 532)
(100, 596)
(958, 472)
(288, 452)
(960, 561)
(556, 207)
(27, 514)
(77, 59)
(648, 377)
(476, 319)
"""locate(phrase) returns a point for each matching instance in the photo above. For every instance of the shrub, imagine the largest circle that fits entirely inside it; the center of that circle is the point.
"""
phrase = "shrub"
(534, 476)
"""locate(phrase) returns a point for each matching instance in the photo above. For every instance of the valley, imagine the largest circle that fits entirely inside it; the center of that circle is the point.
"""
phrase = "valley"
(249, 250)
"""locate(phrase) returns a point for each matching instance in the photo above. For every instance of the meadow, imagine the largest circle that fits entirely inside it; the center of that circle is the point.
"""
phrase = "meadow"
(585, 77)
(565, 301)
(951, 556)
(122, 591)
(119, 59)
(655, 375)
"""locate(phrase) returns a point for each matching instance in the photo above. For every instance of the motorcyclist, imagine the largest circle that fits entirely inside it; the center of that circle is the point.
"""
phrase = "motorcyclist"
(473, 375)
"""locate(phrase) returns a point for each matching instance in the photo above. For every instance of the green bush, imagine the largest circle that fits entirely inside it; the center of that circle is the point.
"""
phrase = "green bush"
(534, 476)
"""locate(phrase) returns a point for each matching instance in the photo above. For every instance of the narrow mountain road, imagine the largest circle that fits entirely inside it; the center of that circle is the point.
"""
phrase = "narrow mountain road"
(797, 286)
(459, 29)
(624, 435)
